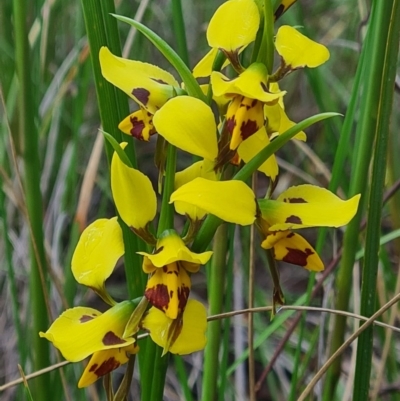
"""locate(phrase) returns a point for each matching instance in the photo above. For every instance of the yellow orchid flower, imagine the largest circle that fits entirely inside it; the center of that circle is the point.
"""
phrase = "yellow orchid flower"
(169, 285)
(80, 332)
(249, 92)
(148, 85)
(233, 26)
(183, 338)
(301, 207)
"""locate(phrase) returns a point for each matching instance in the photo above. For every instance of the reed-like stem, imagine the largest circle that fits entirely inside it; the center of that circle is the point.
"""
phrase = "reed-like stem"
(374, 52)
(216, 285)
(32, 169)
(387, 35)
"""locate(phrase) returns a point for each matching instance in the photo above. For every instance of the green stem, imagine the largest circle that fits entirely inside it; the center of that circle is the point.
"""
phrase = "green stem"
(216, 295)
(266, 51)
(390, 30)
(167, 210)
(32, 168)
(374, 50)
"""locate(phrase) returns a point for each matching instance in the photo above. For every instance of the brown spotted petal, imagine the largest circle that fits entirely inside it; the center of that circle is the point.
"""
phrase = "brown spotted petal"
(307, 206)
(244, 117)
(138, 124)
(168, 289)
(147, 84)
(293, 248)
(80, 331)
(103, 362)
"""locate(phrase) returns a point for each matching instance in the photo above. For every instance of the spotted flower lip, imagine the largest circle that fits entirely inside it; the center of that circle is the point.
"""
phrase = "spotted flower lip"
(292, 248)
(103, 362)
(169, 285)
(191, 337)
(79, 332)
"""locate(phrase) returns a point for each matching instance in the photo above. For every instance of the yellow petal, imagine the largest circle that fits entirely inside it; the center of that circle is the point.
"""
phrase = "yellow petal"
(252, 145)
(133, 194)
(138, 124)
(307, 206)
(170, 248)
(232, 201)
(79, 332)
(168, 289)
(252, 83)
(234, 25)
(188, 123)
(293, 248)
(204, 67)
(279, 122)
(299, 51)
(97, 252)
(104, 362)
(147, 84)
(203, 168)
(192, 336)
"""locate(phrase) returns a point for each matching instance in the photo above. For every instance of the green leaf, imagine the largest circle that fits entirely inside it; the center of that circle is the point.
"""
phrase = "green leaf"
(113, 142)
(191, 85)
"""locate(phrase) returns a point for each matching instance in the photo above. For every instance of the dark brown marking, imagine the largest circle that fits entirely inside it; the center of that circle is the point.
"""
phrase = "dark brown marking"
(160, 81)
(230, 124)
(264, 87)
(297, 257)
(111, 338)
(248, 128)
(86, 318)
(293, 219)
(158, 296)
(137, 128)
(183, 295)
(290, 235)
(295, 200)
(142, 95)
(164, 269)
(106, 367)
(279, 11)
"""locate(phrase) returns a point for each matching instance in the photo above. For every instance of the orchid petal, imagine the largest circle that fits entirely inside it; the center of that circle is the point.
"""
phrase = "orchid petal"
(192, 336)
(133, 194)
(234, 25)
(97, 252)
(252, 145)
(80, 331)
(299, 51)
(147, 84)
(188, 123)
(307, 206)
(232, 201)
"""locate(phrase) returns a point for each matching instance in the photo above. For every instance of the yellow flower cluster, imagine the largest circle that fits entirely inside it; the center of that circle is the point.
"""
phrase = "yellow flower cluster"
(251, 115)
